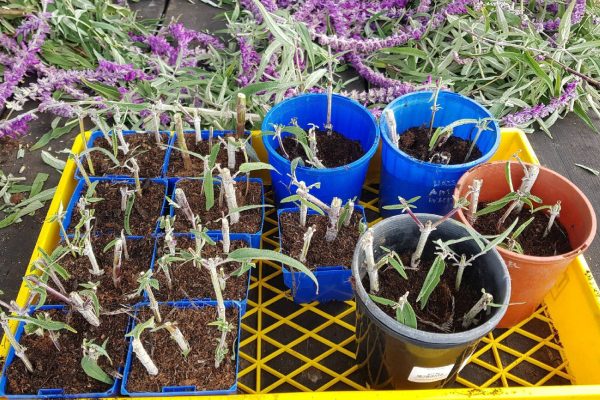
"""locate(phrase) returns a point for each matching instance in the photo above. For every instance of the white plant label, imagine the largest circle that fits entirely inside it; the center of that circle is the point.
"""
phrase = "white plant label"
(433, 374)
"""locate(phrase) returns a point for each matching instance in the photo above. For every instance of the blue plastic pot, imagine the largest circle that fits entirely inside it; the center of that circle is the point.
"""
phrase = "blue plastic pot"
(173, 145)
(254, 236)
(216, 236)
(98, 134)
(349, 118)
(334, 281)
(176, 390)
(82, 187)
(47, 393)
(403, 175)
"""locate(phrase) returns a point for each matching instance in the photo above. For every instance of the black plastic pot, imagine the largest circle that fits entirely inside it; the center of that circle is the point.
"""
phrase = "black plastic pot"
(392, 355)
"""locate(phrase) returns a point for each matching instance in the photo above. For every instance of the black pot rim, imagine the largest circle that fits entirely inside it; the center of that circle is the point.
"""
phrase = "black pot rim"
(416, 336)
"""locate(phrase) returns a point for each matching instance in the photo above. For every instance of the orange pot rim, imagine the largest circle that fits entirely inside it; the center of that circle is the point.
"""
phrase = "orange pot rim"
(536, 259)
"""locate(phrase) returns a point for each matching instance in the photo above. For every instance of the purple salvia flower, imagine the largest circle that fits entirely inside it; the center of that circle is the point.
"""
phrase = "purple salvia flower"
(17, 126)
(541, 110)
(125, 72)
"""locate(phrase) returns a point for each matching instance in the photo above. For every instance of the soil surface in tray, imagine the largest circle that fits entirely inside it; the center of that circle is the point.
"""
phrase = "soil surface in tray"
(415, 143)
(531, 239)
(321, 253)
(108, 215)
(176, 167)
(149, 156)
(333, 150)
(8, 149)
(198, 368)
(111, 297)
(55, 370)
(249, 222)
(444, 304)
(190, 282)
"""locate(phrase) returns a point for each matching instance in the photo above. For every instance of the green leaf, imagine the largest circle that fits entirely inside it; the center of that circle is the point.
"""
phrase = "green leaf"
(209, 190)
(521, 228)
(407, 51)
(249, 207)
(53, 161)
(31, 207)
(291, 199)
(508, 176)
(382, 300)
(214, 153)
(431, 280)
(406, 315)
(108, 92)
(396, 263)
(93, 370)
(578, 109)
(312, 206)
(255, 166)
(539, 71)
(564, 29)
(128, 209)
(38, 184)
(500, 238)
(247, 254)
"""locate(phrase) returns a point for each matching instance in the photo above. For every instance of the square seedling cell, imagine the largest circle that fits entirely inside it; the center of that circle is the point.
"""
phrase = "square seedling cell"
(197, 372)
(58, 373)
(330, 261)
(150, 156)
(251, 203)
(189, 281)
(175, 164)
(117, 280)
(117, 206)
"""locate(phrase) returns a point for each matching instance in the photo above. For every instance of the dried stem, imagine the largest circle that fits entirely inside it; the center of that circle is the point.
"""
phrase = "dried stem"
(156, 120)
(241, 115)
(117, 262)
(334, 216)
(554, 213)
(367, 247)
(425, 230)
(178, 337)
(390, 120)
(181, 143)
(481, 305)
(85, 146)
(225, 232)
(184, 205)
(527, 182)
(143, 356)
(197, 126)
(89, 252)
(19, 350)
(231, 153)
(306, 244)
(228, 185)
(474, 190)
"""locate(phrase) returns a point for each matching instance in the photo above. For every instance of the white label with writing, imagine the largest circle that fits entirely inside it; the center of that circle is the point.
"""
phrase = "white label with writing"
(423, 375)
(433, 374)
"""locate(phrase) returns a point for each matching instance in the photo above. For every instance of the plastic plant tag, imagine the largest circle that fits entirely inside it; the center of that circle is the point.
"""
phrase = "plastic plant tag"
(433, 374)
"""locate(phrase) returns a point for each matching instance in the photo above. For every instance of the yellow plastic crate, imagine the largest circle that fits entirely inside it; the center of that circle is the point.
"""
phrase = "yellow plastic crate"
(307, 352)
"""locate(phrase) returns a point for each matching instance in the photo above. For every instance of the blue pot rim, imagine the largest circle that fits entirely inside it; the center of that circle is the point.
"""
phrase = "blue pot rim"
(365, 157)
(484, 157)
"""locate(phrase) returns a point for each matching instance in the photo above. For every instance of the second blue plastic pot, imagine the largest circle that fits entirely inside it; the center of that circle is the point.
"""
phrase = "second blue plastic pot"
(334, 281)
(406, 176)
(349, 118)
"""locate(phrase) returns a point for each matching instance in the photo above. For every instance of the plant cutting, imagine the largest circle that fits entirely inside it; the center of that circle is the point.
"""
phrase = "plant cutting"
(240, 200)
(59, 354)
(430, 139)
(427, 289)
(557, 223)
(321, 236)
(233, 147)
(161, 374)
(108, 151)
(125, 204)
(299, 127)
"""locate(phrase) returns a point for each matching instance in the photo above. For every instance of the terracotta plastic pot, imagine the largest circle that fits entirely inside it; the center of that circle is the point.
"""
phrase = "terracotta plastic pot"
(533, 277)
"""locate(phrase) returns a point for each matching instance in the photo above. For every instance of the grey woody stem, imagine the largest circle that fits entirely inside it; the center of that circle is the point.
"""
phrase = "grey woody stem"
(117, 262)
(143, 356)
(241, 115)
(156, 121)
(278, 130)
(119, 132)
(302, 191)
(390, 120)
(153, 303)
(184, 205)
(124, 197)
(303, 213)
(554, 213)
(178, 337)
(19, 350)
(85, 146)
(475, 190)
(367, 247)
(135, 168)
(88, 251)
(124, 240)
(228, 185)
(461, 264)
(312, 143)
(434, 107)
(425, 230)
(197, 126)
(481, 305)
(211, 264)
(86, 309)
(230, 153)
(211, 133)
(334, 216)
(480, 128)
(306, 244)
(181, 143)
(53, 292)
(225, 232)
(527, 182)
(513, 205)
(350, 212)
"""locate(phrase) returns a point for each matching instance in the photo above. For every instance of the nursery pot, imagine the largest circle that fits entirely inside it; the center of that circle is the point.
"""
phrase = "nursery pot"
(349, 118)
(406, 176)
(532, 277)
(393, 355)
